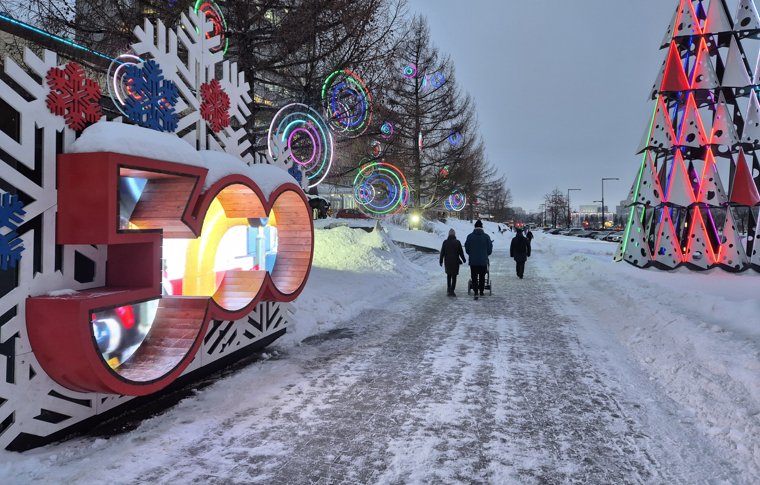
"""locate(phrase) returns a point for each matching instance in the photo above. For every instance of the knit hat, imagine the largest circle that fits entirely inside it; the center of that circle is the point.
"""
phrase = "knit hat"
(478, 223)
(519, 229)
(452, 232)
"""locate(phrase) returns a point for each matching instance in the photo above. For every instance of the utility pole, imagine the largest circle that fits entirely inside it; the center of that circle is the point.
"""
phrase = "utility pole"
(569, 217)
(603, 179)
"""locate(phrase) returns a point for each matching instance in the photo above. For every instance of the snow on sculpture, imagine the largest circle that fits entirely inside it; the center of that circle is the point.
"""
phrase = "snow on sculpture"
(702, 137)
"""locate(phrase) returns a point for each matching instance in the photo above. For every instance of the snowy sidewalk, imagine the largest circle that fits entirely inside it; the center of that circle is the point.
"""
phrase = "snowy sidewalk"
(508, 389)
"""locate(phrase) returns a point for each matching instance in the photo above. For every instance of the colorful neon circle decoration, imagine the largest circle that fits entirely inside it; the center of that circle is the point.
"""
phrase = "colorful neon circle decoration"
(347, 102)
(387, 130)
(410, 71)
(444, 172)
(455, 138)
(117, 83)
(381, 189)
(299, 135)
(213, 14)
(456, 201)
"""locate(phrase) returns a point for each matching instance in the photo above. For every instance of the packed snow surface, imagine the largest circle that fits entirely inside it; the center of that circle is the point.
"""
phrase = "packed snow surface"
(586, 371)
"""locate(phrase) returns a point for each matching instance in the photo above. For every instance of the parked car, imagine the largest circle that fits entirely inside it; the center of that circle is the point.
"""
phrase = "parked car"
(351, 214)
(601, 235)
(616, 236)
(573, 231)
(555, 231)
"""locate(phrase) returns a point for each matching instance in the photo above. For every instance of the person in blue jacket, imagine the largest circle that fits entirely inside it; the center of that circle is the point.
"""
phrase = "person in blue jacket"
(478, 246)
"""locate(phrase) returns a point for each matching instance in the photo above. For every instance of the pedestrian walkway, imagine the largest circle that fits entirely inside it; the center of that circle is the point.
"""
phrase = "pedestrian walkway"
(500, 390)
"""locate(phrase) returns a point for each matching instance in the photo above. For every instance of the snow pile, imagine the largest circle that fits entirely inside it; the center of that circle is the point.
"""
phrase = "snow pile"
(353, 271)
(352, 250)
(696, 333)
(108, 136)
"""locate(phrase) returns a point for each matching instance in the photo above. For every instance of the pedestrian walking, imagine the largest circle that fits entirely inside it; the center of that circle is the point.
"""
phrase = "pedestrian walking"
(478, 246)
(452, 255)
(520, 251)
(528, 235)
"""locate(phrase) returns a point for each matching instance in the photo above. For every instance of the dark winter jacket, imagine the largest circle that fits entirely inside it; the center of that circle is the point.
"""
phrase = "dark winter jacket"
(529, 236)
(520, 248)
(452, 255)
(478, 246)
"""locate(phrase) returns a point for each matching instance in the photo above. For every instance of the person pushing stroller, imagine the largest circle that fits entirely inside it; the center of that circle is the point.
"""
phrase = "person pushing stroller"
(453, 256)
(478, 246)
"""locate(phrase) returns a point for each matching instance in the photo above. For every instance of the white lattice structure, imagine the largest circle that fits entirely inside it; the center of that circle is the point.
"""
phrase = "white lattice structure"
(34, 408)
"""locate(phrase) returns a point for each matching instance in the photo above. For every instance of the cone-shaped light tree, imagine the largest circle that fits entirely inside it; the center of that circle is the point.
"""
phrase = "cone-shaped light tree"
(694, 200)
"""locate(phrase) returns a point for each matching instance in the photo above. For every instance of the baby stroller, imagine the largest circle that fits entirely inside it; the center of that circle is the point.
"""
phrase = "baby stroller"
(487, 286)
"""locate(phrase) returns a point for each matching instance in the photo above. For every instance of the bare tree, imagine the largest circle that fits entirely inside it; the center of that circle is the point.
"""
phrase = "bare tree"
(555, 206)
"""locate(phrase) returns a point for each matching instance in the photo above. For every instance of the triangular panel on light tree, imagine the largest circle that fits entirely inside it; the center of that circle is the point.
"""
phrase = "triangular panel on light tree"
(668, 37)
(704, 73)
(717, 21)
(680, 192)
(646, 188)
(659, 134)
(655, 90)
(667, 249)
(751, 132)
(687, 24)
(692, 130)
(754, 246)
(711, 190)
(634, 249)
(735, 74)
(732, 256)
(723, 133)
(746, 17)
(743, 189)
(699, 253)
(674, 79)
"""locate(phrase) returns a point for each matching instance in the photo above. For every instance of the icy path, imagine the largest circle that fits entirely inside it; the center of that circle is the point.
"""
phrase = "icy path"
(455, 391)
(518, 387)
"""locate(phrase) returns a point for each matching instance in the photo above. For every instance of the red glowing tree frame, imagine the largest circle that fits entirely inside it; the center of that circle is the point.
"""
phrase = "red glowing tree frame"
(172, 205)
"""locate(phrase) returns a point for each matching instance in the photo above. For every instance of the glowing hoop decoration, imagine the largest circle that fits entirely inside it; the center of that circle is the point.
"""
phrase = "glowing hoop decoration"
(444, 172)
(375, 149)
(298, 134)
(213, 14)
(456, 201)
(386, 131)
(348, 103)
(455, 138)
(381, 189)
(410, 71)
(117, 85)
(432, 82)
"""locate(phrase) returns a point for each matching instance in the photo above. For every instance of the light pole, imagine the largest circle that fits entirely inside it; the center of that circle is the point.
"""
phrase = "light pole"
(597, 214)
(569, 217)
(603, 179)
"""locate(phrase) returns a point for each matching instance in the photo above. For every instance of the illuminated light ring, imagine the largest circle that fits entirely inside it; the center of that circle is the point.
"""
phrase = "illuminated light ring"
(213, 14)
(386, 184)
(387, 130)
(117, 89)
(375, 148)
(437, 79)
(410, 71)
(455, 202)
(300, 118)
(347, 103)
(455, 138)
(444, 172)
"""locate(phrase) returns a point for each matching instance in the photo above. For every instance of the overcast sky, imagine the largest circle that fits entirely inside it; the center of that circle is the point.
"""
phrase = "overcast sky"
(561, 86)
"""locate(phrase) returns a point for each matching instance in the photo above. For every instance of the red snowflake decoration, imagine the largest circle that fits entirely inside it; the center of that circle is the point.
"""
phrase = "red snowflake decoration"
(73, 96)
(215, 106)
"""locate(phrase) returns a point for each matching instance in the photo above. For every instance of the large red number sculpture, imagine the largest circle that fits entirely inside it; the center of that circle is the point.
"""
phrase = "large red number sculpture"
(172, 205)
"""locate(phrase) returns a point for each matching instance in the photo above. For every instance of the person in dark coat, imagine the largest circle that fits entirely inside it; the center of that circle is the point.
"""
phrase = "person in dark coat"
(478, 246)
(453, 255)
(528, 235)
(520, 251)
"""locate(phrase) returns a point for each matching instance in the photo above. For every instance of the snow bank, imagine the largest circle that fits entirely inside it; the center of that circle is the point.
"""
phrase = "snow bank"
(698, 334)
(353, 271)
(107, 136)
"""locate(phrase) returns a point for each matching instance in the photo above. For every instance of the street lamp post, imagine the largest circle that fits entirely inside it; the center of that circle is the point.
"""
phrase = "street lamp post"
(569, 217)
(603, 179)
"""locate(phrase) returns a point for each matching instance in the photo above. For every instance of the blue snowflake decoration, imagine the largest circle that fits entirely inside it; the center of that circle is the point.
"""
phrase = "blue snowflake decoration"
(11, 247)
(151, 98)
(296, 172)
